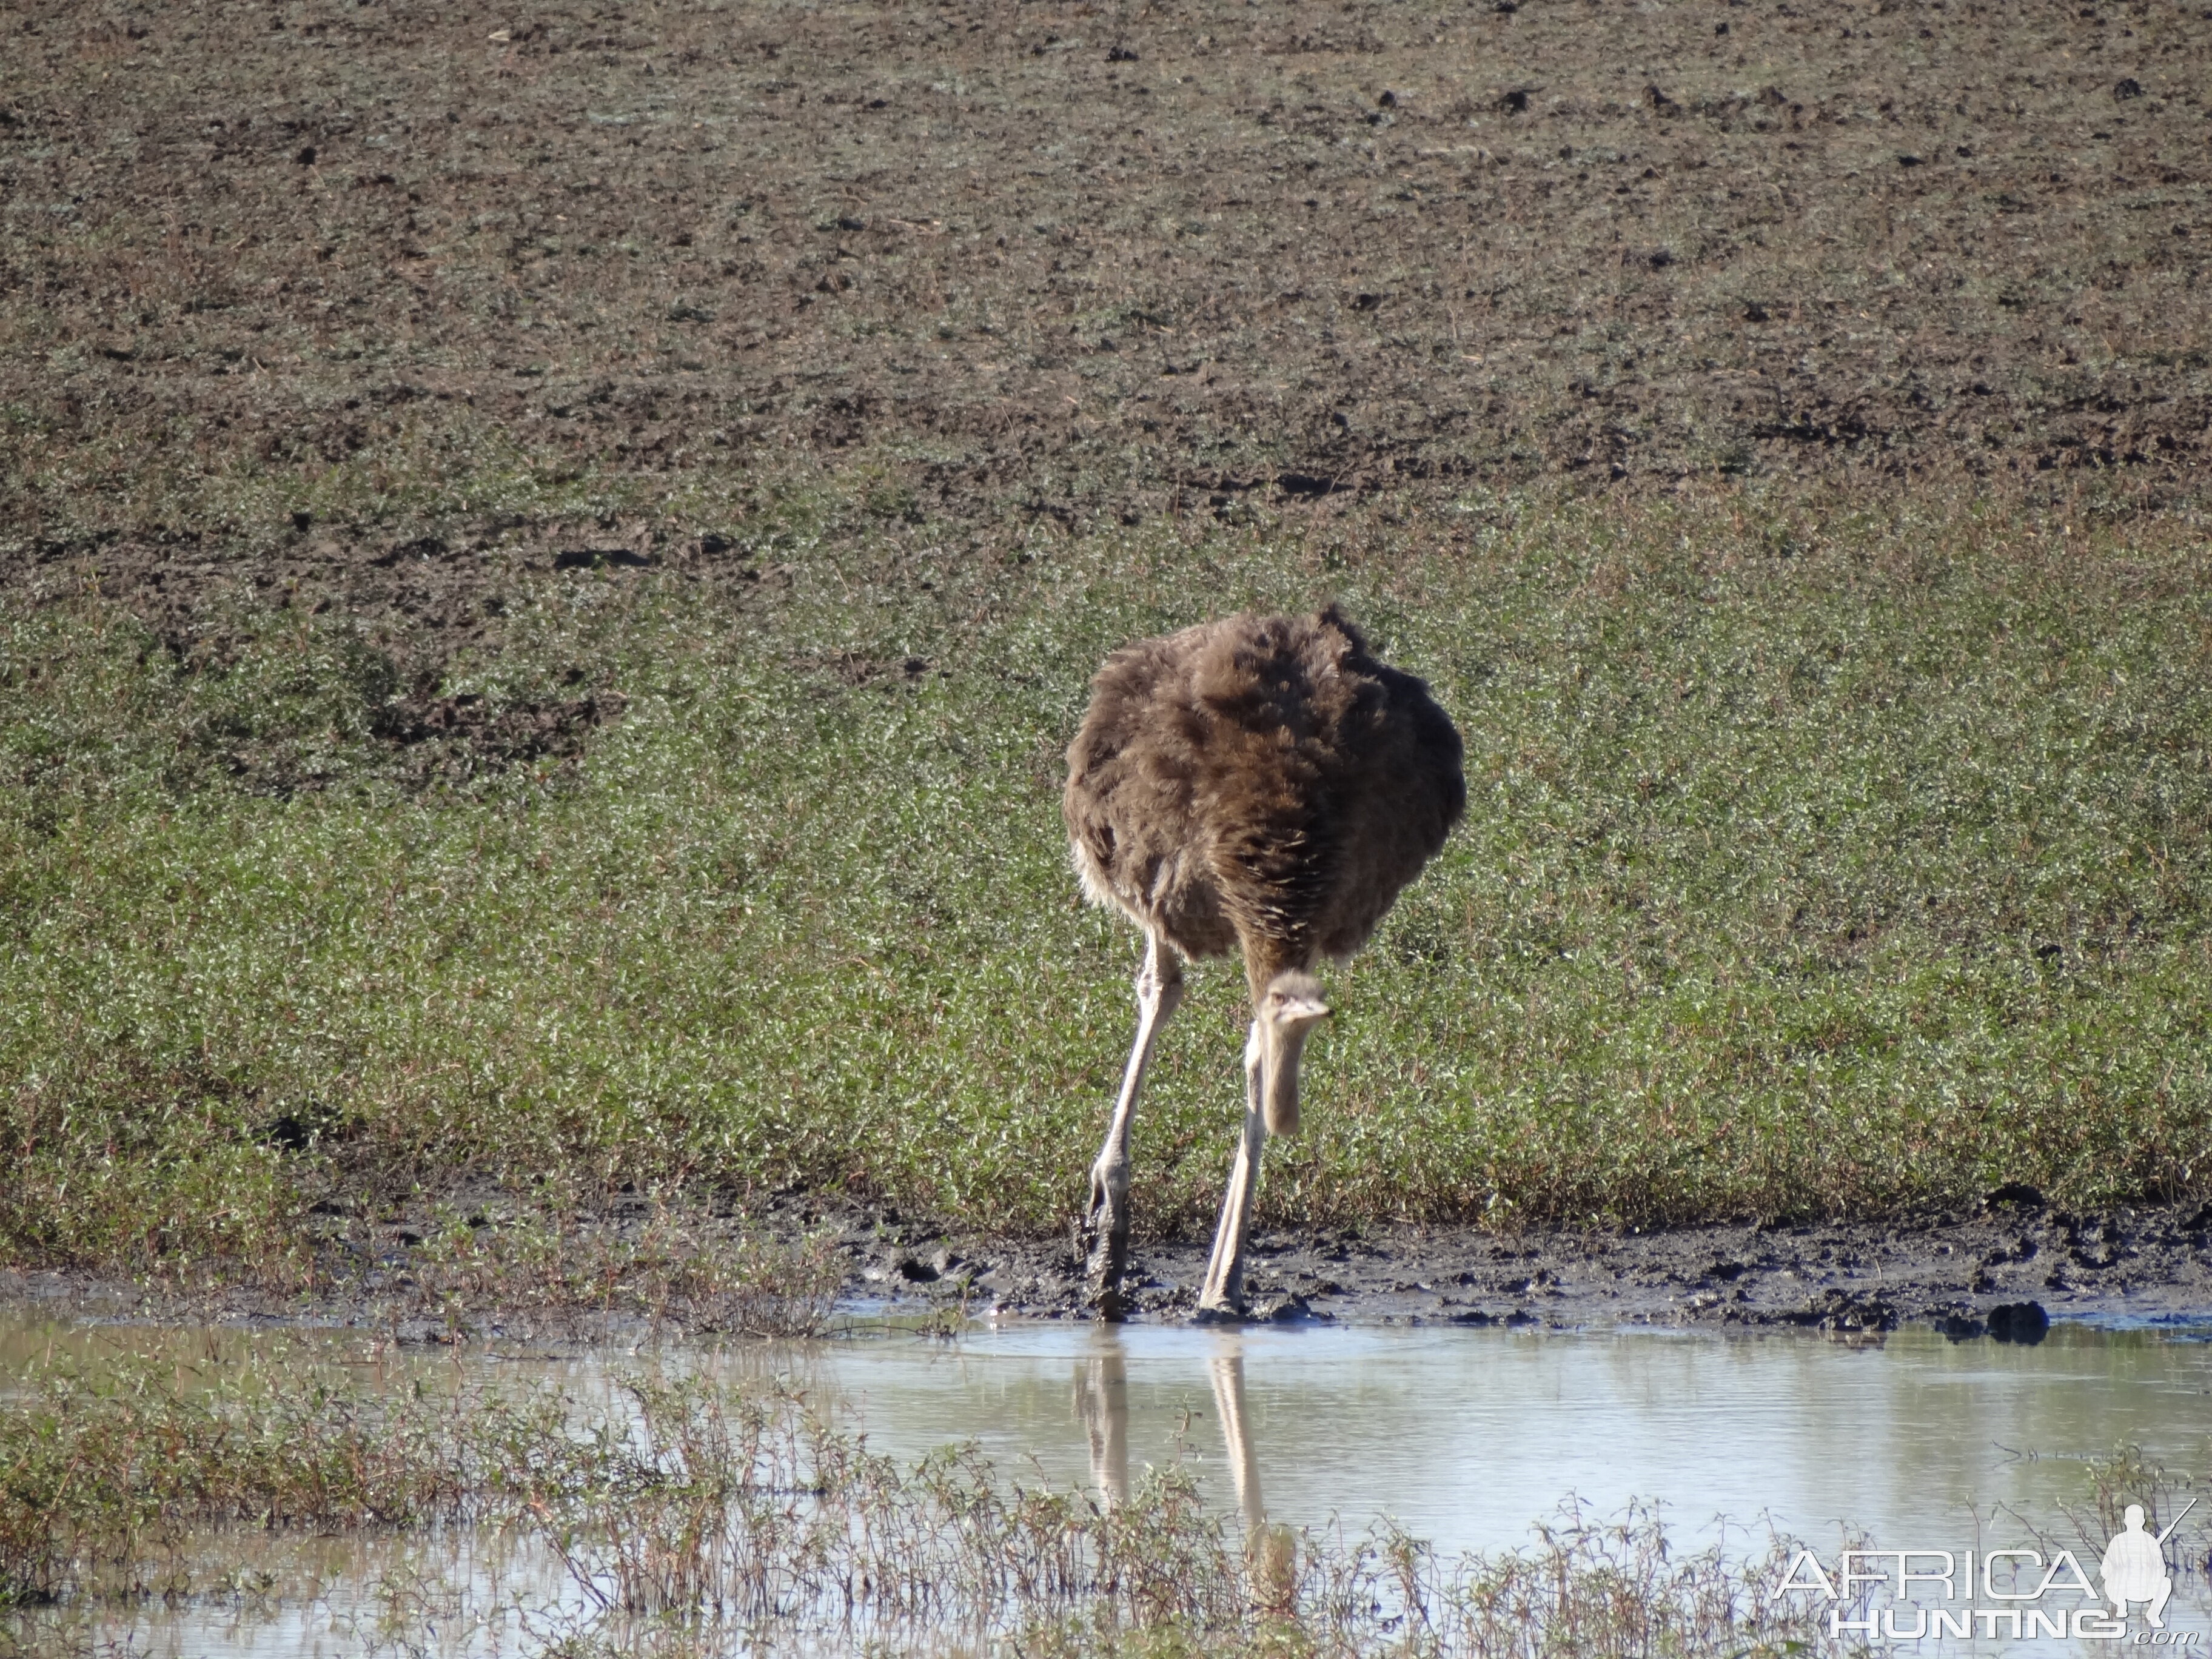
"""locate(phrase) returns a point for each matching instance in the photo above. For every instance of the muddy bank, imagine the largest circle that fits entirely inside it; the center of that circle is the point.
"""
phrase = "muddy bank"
(1967, 1274)
(2003, 1271)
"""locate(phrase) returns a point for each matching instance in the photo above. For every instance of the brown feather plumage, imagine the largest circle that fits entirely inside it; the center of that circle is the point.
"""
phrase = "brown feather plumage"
(1259, 783)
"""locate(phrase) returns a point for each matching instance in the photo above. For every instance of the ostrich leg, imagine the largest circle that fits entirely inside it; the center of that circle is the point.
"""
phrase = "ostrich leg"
(1102, 1396)
(1228, 1369)
(1224, 1274)
(1106, 1224)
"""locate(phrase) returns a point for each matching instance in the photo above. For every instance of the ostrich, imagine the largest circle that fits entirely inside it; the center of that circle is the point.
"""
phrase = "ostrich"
(1262, 785)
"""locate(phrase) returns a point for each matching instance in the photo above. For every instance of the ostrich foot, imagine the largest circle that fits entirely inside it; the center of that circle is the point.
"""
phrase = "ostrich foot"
(1102, 1241)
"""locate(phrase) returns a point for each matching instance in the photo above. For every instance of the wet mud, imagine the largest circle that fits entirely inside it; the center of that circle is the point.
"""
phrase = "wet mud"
(2004, 1272)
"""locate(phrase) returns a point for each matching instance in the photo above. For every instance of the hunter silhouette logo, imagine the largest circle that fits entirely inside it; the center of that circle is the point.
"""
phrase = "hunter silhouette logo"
(2135, 1566)
(1917, 1595)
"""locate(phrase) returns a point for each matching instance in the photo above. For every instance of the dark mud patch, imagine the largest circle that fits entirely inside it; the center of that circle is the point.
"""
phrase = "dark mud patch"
(423, 599)
(455, 737)
(2004, 1275)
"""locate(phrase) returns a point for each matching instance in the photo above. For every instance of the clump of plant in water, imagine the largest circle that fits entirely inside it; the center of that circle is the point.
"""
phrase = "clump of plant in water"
(707, 1519)
(105, 1474)
(693, 1517)
(2127, 1475)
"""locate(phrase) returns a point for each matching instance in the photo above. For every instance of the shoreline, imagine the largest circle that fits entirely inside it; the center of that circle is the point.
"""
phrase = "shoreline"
(2006, 1271)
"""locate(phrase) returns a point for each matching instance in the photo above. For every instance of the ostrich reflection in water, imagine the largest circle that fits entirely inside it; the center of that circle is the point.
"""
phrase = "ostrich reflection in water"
(1102, 1398)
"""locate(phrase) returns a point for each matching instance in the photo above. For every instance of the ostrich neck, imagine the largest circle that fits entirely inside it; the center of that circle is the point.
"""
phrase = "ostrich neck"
(1282, 1046)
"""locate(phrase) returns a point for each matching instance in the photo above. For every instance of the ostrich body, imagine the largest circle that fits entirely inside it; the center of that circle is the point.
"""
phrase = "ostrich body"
(1259, 785)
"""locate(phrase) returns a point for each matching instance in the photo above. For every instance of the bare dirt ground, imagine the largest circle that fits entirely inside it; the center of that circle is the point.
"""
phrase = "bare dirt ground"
(331, 302)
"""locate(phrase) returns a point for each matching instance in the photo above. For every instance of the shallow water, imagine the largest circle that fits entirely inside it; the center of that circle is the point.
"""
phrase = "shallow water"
(1462, 1436)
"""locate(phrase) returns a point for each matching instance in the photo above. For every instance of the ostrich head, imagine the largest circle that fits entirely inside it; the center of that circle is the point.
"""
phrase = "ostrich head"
(1289, 1008)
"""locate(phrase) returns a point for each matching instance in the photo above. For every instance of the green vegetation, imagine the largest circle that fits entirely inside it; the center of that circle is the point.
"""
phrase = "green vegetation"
(692, 1518)
(1821, 857)
(106, 1471)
